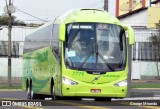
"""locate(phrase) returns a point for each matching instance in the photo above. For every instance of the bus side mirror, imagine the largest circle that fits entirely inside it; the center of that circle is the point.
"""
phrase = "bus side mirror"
(130, 35)
(62, 32)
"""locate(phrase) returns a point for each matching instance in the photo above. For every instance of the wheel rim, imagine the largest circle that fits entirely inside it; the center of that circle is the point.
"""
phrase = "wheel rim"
(32, 94)
(53, 93)
(28, 93)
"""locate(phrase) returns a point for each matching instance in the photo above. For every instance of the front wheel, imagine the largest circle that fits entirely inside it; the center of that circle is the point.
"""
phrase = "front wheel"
(103, 99)
(54, 97)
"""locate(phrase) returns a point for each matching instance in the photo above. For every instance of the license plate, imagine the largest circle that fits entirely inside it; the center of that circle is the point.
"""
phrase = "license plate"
(95, 90)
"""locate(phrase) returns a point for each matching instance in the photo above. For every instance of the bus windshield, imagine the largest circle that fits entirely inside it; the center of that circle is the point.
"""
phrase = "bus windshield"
(95, 46)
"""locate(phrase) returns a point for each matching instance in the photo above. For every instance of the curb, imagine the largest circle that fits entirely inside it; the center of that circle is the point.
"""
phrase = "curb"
(145, 88)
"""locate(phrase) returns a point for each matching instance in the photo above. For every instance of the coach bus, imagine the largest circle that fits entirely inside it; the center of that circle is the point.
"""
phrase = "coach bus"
(82, 53)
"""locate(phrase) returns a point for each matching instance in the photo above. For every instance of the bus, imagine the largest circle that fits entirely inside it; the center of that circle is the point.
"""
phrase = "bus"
(81, 54)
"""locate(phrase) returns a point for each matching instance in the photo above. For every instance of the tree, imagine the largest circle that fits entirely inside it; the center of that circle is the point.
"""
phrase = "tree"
(155, 42)
(4, 21)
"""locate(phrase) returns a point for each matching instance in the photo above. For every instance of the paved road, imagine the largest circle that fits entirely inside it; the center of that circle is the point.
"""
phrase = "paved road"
(20, 96)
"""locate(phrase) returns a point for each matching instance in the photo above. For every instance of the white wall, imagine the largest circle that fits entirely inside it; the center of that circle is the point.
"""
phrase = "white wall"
(112, 7)
(18, 33)
(140, 68)
(136, 19)
(16, 67)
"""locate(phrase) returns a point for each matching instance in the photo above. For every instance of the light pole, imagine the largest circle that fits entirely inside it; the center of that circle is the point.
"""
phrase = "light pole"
(9, 9)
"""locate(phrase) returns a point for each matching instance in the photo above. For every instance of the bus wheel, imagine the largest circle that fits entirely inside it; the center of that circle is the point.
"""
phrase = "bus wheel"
(28, 92)
(103, 99)
(54, 97)
(33, 95)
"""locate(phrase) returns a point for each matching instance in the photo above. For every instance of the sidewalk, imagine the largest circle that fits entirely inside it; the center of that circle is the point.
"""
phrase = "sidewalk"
(145, 81)
(14, 82)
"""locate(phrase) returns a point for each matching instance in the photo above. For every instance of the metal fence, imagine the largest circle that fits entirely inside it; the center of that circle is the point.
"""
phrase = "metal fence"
(144, 49)
(18, 37)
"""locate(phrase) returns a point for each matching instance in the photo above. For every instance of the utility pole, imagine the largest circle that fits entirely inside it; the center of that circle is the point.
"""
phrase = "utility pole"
(9, 9)
(106, 5)
(9, 45)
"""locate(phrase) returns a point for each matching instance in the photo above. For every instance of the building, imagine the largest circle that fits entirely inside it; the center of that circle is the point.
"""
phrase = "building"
(18, 36)
(142, 15)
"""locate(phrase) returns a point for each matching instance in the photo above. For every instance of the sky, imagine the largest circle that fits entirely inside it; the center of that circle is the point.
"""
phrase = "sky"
(46, 10)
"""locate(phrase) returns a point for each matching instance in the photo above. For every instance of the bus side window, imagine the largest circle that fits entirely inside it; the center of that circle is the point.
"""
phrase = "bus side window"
(59, 49)
(55, 33)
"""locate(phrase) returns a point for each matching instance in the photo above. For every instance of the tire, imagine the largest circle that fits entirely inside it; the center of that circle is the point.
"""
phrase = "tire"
(103, 99)
(31, 95)
(28, 92)
(54, 97)
(73, 98)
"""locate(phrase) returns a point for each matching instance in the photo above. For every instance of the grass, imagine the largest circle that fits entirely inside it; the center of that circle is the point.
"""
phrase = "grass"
(12, 87)
(145, 85)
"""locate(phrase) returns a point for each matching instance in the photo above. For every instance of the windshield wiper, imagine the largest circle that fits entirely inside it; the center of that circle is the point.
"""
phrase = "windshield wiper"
(80, 67)
(105, 62)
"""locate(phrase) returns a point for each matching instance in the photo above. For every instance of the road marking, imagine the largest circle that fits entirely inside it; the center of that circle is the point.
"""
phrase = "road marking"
(81, 105)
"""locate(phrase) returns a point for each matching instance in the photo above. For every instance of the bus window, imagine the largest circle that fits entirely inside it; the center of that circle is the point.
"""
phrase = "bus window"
(95, 46)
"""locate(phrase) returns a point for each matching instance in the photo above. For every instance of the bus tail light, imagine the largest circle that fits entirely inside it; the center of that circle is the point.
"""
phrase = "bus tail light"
(121, 83)
(68, 81)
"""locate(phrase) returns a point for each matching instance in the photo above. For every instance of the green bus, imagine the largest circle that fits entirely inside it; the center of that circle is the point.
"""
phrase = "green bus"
(82, 53)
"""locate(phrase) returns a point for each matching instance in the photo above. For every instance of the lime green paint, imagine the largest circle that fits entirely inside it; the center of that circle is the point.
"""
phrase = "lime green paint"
(62, 32)
(75, 73)
(42, 57)
(131, 36)
(41, 65)
(111, 76)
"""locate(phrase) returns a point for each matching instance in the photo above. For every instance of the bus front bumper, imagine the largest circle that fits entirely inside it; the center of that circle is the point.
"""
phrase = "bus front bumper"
(94, 91)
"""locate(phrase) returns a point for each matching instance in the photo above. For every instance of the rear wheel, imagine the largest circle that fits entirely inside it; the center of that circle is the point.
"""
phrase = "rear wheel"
(28, 92)
(36, 96)
(31, 94)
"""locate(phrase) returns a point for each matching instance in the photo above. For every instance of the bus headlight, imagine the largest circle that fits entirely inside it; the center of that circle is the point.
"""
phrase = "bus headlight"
(121, 83)
(68, 81)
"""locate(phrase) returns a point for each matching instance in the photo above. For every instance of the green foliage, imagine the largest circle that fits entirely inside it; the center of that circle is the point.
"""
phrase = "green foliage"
(155, 42)
(158, 25)
(155, 38)
(4, 20)
(12, 87)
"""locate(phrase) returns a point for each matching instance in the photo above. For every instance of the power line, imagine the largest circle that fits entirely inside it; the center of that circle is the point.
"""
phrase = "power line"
(31, 15)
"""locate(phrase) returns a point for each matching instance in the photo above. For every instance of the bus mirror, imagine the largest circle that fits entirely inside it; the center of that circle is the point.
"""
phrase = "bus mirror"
(62, 32)
(131, 35)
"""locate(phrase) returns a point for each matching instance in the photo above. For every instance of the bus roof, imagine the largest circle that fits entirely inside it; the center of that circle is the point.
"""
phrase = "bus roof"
(88, 15)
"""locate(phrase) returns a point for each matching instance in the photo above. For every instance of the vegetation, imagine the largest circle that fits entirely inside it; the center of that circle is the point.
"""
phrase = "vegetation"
(12, 87)
(145, 85)
(155, 39)
(4, 21)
